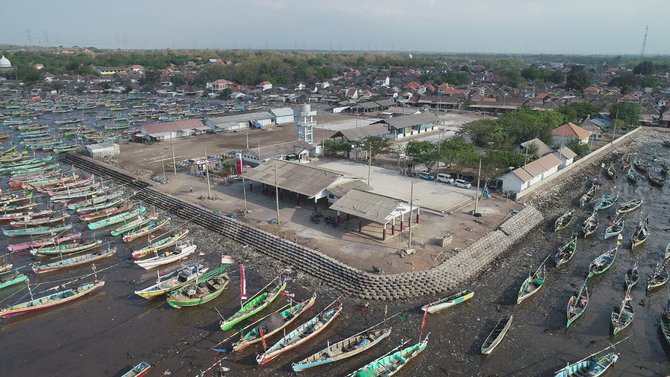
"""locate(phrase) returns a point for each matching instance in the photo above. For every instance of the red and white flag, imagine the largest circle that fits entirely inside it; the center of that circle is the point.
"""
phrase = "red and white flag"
(243, 284)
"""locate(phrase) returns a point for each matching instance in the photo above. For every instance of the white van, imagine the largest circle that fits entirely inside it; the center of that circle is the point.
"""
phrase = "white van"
(446, 178)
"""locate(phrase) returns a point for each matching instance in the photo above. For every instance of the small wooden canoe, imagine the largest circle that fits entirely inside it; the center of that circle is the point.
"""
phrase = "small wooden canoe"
(145, 230)
(43, 242)
(589, 195)
(590, 224)
(173, 280)
(497, 335)
(577, 304)
(632, 276)
(7, 279)
(390, 364)
(65, 248)
(604, 202)
(448, 301)
(665, 322)
(566, 252)
(611, 171)
(180, 252)
(51, 300)
(632, 175)
(532, 284)
(594, 366)
(659, 277)
(603, 262)
(204, 289)
(343, 349)
(667, 251)
(73, 262)
(629, 206)
(139, 370)
(254, 305)
(563, 221)
(623, 316)
(161, 244)
(615, 228)
(641, 234)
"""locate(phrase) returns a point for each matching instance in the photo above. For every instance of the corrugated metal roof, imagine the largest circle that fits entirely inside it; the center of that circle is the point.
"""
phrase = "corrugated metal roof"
(340, 188)
(304, 179)
(567, 152)
(368, 205)
(522, 174)
(411, 120)
(241, 117)
(361, 132)
(282, 112)
(155, 128)
(542, 148)
(281, 149)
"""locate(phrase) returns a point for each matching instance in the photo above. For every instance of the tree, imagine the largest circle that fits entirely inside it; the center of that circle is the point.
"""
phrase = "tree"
(336, 147)
(644, 68)
(423, 152)
(178, 80)
(575, 112)
(225, 93)
(627, 112)
(458, 153)
(577, 78)
(29, 75)
(376, 145)
(579, 148)
(498, 161)
(532, 72)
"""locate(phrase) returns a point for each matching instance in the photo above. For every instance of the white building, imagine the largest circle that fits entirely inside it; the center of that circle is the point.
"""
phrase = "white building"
(103, 150)
(283, 115)
(531, 174)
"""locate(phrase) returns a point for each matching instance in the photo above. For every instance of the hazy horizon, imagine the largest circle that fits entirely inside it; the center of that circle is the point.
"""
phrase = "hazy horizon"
(597, 27)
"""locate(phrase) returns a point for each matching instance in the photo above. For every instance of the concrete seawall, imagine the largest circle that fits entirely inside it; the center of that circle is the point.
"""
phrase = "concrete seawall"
(449, 275)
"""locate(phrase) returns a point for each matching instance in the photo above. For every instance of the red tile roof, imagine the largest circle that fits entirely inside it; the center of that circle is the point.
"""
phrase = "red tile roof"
(571, 130)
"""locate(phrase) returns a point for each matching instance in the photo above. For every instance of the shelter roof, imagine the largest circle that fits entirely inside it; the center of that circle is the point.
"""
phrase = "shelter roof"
(307, 180)
(369, 206)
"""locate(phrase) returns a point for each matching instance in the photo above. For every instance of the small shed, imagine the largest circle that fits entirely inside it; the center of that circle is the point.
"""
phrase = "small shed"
(282, 115)
(103, 150)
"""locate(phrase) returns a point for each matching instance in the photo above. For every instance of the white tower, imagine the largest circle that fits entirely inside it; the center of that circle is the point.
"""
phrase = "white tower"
(306, 124)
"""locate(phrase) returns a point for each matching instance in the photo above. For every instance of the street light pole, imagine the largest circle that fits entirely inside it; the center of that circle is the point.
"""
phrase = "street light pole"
(411, 209)
(369, 162)
(209, 190)
(479, 175)
(276, 191)
(174, 163)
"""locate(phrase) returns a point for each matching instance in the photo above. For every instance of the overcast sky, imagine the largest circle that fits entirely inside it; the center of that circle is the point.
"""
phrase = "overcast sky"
(498, 26)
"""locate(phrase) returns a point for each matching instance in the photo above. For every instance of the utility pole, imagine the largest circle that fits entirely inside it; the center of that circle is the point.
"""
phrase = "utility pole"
(163, 166)
(244, 193)
(174, 163)
(411, 209)
(276, 191)
(209, 190)
(370, 161)
(479, 175)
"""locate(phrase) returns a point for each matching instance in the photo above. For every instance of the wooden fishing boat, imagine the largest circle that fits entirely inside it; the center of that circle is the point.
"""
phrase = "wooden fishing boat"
(16, 200)
(623, 316)
(181, 251)
(605, 201)
(107, 212)
(140, 221)
(641, 234)
(139, 370)
(79, 190)
(615, 228)
(204, 289)
(160, 244)
(590, 224)
(25, 215)
(145, 231)
(173, 280)
(89, 182)
(629, 206)
(100, 206)
(497, 335)
(254, 305)
(343, 349)
(632, 175)
(7, 279)
(632, 276)
(273, 323)
(51, 300)
(84, 205)
(589, 195)
(68, 197)
(532, 284)
(302, 334)
(563, 221)
(123, 216)
(448, 301)
(5, 267)
(43, 242)
(659, 277)
(390, 364)
(566, 252)
(35, 231)
(656, 180)
(667, 251)
(611, 171)
(641, 165)
(66, 248)
(39, 221)
(577, 304)
(73, 262)
(603, 262)
(590, 367)
(665, 322)
(15, 208)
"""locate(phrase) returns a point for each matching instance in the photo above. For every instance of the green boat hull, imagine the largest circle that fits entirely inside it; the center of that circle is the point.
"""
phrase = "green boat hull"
(116, 219)
(252, 307)
(17, 279)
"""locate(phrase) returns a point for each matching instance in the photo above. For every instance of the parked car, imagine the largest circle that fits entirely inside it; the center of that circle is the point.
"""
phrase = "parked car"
(443, 177)
(462, 183)
(426, 175)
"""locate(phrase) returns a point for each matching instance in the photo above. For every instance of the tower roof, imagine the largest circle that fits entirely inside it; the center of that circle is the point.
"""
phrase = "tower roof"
(4, 62)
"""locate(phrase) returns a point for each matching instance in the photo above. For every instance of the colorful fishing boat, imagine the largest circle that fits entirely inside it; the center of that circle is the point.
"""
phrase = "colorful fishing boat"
(343, 349)
(629, 206)
(66, 248)
(622, 317)
(51, 300)
(611, 171)
(86, 204)
(448, 301)
(181, 251)
(43, 242)
(7, 279)
(590, 367)
(39, 221)
(160, 244)
(665, 321)
(16, 200)
(15, 208)
(273, 323)
(590, 225)
(140, 221)
(204, 289)
(70, 196)
(615, 228)
(107, 212)
(173, 280)
(390, 364)
(632, 175)
(139, 370)
(73, 262)
(302, 334)
(577, 304)
(56, 195)
(123, 216)
(532, 284)
(589, 195)
(641, 234)
(25, 215)
(603, 262)
(658, 278)
(145, 231)
(631, 277)
(563, 221)
(604, 202)
(35, 231)
(100, 206)
(566, 252)
(497, 334)
(254, 305)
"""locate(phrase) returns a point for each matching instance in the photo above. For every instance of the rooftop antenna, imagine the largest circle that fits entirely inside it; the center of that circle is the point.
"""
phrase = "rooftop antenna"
(644, 42)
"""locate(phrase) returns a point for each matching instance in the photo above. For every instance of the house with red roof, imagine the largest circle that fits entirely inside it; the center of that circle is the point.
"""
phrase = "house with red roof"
(136, 68)
(220, 84)
(413, 85)
(592, 90)
(264, 85)
(628, 98)
(568, 132)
